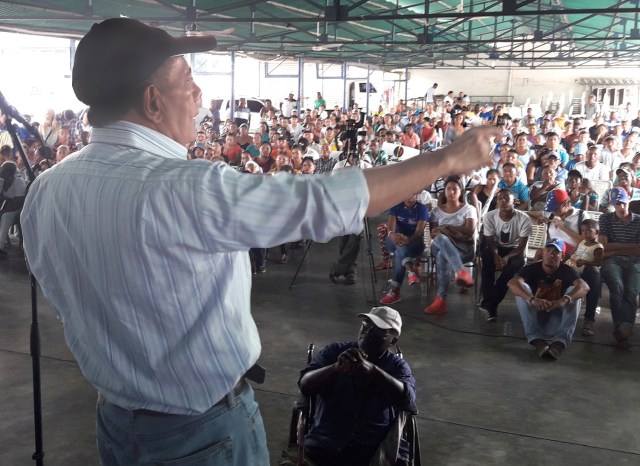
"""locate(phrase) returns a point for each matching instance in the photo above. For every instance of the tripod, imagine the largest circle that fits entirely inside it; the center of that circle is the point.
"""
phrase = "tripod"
(369, 251)
(352, 158)
(12, 114)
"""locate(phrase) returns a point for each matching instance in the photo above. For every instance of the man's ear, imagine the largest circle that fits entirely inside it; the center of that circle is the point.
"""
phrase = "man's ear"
(151, 105)
(394, 340)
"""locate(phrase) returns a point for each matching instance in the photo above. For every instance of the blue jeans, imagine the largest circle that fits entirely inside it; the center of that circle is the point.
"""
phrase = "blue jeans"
(402, 255)
(449, 257)
(622, 276)
(230, 433)
(560, 322)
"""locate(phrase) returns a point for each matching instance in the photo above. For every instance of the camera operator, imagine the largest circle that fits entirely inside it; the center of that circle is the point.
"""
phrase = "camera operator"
(355, 159)
(349, 245)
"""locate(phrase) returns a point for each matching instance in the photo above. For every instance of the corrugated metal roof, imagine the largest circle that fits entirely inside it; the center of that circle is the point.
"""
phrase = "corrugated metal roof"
(390, 34)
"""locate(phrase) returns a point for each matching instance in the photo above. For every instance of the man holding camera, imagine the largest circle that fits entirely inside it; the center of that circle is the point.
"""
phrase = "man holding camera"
(349, 245)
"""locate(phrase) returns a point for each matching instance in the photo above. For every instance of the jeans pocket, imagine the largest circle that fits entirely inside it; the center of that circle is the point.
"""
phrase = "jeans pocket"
(217, 454)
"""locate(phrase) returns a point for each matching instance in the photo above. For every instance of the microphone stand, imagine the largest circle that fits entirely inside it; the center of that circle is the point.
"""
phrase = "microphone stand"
(38, 456)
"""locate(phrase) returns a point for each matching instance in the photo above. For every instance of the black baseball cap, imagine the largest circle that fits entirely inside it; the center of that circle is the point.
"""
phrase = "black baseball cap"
(115, 58)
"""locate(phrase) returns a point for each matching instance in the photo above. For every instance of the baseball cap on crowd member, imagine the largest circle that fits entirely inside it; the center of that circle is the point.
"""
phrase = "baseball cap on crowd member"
(116, 57)
(556, 243)
(385, 318)
(580, 149)
(624, 171)
(619, 196)
(555, 198)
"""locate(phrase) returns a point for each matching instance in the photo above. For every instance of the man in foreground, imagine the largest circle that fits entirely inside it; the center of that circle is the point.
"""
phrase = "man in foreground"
(143, 254)
(360, 387)
(548, 295)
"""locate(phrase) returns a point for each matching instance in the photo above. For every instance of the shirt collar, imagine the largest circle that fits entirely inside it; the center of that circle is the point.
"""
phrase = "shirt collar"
(125, 133)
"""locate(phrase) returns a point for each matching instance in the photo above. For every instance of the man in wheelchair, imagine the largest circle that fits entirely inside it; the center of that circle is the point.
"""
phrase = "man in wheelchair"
(360, 387)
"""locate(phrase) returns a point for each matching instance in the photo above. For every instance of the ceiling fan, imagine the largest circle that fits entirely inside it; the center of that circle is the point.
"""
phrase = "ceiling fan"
(322, 47)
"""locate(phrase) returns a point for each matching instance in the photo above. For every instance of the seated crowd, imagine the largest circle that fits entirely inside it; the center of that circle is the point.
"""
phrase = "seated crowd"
(545, 170)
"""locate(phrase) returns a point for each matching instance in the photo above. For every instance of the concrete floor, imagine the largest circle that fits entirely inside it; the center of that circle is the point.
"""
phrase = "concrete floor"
(483, 395)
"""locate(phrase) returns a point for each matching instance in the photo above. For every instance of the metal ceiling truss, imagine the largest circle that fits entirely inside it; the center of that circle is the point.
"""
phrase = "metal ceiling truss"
(386, 33)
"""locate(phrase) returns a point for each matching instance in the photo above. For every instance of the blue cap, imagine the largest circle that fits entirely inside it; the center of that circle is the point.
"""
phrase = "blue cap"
(619, 196)
(555, 243)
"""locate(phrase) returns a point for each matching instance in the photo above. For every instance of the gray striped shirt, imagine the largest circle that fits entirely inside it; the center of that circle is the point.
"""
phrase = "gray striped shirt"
(143, 256)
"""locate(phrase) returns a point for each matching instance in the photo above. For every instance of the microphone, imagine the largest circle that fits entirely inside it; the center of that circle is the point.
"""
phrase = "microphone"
(11, 111)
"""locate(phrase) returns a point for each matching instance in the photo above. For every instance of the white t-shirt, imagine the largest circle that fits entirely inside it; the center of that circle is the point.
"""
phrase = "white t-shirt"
(430, 95)
(507, 234)
(598, 172)
(584, 252)
(288, 106)
(609, 159)
(455, 219)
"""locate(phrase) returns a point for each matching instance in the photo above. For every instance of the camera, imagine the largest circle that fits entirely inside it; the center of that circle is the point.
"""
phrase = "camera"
(351, 133)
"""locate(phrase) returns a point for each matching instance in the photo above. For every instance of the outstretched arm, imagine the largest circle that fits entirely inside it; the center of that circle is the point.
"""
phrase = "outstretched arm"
(391, 184)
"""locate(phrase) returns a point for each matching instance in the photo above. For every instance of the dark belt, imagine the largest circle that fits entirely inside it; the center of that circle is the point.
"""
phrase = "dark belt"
(256, 374)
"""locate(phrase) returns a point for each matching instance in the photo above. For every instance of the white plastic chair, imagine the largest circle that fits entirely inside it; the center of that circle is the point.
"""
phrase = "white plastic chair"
(601, 186)
(536, 241)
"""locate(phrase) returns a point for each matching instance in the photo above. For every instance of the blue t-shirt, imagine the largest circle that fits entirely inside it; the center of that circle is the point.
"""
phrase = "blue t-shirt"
(487, 116)
(407, 218)
(519, 190)
(564, 156)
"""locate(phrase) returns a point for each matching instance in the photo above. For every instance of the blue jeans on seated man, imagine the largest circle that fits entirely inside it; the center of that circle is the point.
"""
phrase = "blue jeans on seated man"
(622, 276)
(449, 260)
(559, 323)
(402, 255)
(229, 433)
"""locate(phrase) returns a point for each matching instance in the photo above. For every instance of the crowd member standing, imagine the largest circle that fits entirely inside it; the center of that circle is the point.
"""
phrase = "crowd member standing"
(430, 95)
(319, 102)
(146, 259)
(289, 105)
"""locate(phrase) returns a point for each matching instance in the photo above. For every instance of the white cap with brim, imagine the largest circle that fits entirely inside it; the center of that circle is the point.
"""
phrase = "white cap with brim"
(385, 318)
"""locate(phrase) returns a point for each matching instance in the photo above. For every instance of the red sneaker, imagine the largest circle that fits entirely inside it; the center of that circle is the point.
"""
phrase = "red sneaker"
(463, 278)
(438, 306)
(391, 297)
(413, 278)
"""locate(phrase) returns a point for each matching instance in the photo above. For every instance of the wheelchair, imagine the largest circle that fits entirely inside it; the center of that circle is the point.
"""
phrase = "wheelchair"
(404, 427)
